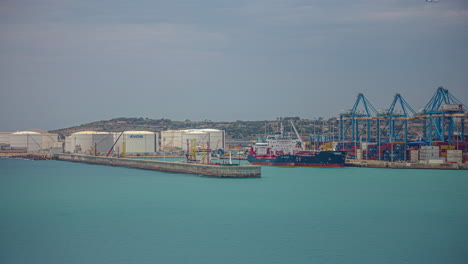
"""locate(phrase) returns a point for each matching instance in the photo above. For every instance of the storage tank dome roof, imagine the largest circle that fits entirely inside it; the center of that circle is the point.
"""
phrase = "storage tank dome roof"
(138, 132)
(40, 131)
(26, 133)
(210, 130)
(84, 133)
(195, 132)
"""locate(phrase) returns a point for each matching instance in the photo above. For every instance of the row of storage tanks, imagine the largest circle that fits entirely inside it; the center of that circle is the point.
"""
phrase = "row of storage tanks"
(182, 139)
(130, 142)
(29, 140)
(138, 142)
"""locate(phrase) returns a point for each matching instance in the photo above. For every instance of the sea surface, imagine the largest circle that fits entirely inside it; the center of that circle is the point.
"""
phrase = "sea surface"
(62, 212)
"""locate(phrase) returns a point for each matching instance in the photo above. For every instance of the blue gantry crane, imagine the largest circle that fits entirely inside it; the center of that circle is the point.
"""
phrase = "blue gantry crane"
(395, 121)
(351, 119)
(440, 118)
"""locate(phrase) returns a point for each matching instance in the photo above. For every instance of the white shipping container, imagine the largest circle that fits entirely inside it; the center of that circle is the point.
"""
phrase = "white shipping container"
(364, 145)
(459, 160)
(451, 107)
(454, 153)
(427, 157)
(430, 151)
(429, 147)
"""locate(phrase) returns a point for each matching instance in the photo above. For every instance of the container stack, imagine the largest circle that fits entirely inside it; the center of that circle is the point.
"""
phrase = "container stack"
(429, 153)
(393, 151)
(465, 157)
(454, 156)
(414, 155)
(359, 154)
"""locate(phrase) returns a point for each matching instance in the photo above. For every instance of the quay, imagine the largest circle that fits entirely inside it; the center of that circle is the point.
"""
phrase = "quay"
(405, 165)
(245, 171)
(220, 171)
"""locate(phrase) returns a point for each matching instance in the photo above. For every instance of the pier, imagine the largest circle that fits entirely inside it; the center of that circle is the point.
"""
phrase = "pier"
(245, 171)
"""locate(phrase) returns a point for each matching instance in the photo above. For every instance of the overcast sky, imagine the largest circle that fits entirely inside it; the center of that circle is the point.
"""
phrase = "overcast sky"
(68, 62)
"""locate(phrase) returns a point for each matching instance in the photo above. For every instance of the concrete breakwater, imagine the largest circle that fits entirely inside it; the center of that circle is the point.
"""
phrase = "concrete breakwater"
(29, 155)
(406, 165)
(247, 171)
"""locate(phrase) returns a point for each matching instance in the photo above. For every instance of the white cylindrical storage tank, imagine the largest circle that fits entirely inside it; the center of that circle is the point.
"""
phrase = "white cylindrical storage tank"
(136, 142)
(102, 142)
(216, 138)
(31, 141)
(49, 140)
(201, 139)
(68, 144)
(5, 137)
(172, 139)
(81, 142)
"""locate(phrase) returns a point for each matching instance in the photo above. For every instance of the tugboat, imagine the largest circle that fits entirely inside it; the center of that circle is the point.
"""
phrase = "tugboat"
(286, 151)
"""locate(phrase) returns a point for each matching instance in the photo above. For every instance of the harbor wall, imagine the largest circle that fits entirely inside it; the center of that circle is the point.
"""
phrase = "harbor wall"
(247, 171)
(406, 165)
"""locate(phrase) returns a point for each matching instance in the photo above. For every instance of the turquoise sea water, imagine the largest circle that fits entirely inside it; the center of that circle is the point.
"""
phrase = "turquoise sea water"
(61, 212)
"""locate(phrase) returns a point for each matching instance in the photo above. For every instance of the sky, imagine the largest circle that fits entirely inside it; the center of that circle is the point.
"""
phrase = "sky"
(68, 62)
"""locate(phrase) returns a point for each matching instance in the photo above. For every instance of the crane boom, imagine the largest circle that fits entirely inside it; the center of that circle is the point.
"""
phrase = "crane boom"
(297, 135)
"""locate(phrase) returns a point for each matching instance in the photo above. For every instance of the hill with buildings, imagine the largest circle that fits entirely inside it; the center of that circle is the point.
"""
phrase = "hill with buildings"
(237, 129)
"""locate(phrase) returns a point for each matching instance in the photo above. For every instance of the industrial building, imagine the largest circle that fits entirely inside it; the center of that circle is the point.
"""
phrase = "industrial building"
(89, 142)
(136, 142)
(178, 139)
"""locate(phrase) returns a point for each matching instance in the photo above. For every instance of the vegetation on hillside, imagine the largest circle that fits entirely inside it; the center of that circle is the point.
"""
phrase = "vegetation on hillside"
(238, 129)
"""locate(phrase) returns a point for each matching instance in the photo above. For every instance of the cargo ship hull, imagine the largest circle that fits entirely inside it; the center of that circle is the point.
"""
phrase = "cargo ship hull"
(334, 159)
(281, 160)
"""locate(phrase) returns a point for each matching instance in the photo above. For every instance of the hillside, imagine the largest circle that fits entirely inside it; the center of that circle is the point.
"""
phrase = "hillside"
(237, 129)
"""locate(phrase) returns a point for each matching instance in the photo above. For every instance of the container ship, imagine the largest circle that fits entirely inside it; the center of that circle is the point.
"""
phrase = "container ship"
(286, 151)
